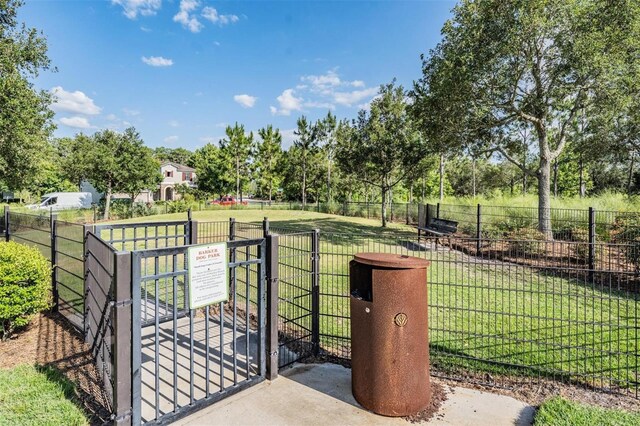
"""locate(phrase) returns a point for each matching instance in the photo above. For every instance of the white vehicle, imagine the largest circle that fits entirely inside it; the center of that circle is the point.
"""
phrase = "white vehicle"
(63, 200)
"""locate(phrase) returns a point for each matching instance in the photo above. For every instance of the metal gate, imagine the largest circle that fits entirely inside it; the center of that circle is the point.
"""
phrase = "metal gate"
(184, 359)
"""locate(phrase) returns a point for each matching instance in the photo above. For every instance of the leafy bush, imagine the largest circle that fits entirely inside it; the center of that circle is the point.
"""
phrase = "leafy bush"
(25, 286)
(526, 242)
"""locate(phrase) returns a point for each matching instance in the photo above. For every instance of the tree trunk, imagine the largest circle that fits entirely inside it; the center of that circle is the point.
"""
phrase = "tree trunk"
(237, 180)
(329, 182)
(107, 203)
(473, 177)
(383, 212)
(630, 174)
(583, 185)
(270, 191)
(304, 186)
(424, 185)
(411, 193)
(441, 177)
(524, 174)
(555, 178)
(544, 198)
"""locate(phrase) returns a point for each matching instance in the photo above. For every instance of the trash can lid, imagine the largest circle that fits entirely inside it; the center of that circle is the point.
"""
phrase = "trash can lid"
(389, 260)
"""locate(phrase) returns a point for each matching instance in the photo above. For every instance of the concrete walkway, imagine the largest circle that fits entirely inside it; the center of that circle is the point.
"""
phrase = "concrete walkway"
(320, 394)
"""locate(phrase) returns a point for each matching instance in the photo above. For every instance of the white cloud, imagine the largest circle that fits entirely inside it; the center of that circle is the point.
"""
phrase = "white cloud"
(171, 139)
(288, 137)
(288, 102)
(76, 122)
(186, 17)
(145, 29)
(247, 101)
(76, 102)
(323, 82)
(211, 14)
(357, 83)
(316, 104)
(157, 61)
(111, 117)
(353, 97)
(173, 123)
(133, 8)
(130, 112)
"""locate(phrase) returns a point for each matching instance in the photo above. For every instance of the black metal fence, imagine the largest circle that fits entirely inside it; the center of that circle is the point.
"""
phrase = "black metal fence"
(514, 312)
(516, 222)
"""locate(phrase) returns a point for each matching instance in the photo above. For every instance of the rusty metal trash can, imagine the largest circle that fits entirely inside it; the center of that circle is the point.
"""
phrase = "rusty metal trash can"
(389, 333)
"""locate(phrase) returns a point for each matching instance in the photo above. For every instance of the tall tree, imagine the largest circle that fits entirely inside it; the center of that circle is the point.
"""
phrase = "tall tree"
(139, 169)
(119, 162)
(385, 146)
(328, 126)
(238, 148)
(25, 117)
(533, 63)
(214, 174)
(307, 145)
(268, 154)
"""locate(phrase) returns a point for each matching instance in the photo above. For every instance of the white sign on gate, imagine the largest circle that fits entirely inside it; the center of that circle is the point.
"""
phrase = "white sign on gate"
(207, 275)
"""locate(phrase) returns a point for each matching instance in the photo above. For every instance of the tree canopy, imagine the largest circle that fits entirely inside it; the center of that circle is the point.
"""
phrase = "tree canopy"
(25, 117)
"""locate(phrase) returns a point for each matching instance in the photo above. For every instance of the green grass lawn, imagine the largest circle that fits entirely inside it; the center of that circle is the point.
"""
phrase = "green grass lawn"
(560, 412)
(37, 396)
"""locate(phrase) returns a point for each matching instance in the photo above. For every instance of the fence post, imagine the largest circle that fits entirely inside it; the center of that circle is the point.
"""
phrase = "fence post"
(265, 226)
(315, 291)
(192, 225)
(6, 224)
(272, 305)
(592, 241)
(122, 339)
(85, 231)
(478, 229)
(53, 219)
(438, 211)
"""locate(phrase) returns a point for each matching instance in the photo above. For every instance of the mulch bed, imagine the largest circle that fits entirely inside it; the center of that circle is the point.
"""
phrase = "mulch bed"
(50, 341)
(438, 396)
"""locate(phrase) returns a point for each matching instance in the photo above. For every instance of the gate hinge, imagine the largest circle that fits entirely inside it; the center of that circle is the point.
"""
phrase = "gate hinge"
(121, 303)
(122, 417)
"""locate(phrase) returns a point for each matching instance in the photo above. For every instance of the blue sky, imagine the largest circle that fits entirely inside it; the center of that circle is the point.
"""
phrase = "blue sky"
(180, 71)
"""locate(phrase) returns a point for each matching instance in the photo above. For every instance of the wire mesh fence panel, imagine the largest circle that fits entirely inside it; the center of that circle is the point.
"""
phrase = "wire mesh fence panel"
(515, 311)
(212, 232)
(295, 287)
(138, 236)
(69, 270)
(98, 321)
(32, 230)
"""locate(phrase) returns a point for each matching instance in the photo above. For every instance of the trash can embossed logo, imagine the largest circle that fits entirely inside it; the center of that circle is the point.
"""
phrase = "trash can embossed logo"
(400, 319)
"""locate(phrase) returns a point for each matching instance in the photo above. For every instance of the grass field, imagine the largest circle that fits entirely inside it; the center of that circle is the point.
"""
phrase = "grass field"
(560, 412)
(37, 396)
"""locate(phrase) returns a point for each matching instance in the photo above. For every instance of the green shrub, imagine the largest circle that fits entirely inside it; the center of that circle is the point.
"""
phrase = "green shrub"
(25, 286)
(526, 242)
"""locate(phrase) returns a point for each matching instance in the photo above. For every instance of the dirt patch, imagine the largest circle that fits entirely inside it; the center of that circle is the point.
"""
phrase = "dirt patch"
(49, 340)
(535, 391)
(438, 396)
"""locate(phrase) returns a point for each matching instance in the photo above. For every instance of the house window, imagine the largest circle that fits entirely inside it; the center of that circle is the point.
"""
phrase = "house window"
(168, 173)
(187, 176)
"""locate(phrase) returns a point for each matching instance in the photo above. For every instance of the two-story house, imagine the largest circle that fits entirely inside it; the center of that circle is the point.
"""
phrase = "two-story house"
(174, 174)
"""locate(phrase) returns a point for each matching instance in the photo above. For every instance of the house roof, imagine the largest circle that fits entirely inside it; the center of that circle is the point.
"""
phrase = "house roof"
(179, 167)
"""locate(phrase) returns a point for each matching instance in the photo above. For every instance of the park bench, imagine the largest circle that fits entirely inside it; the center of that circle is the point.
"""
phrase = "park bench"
(438, 228)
